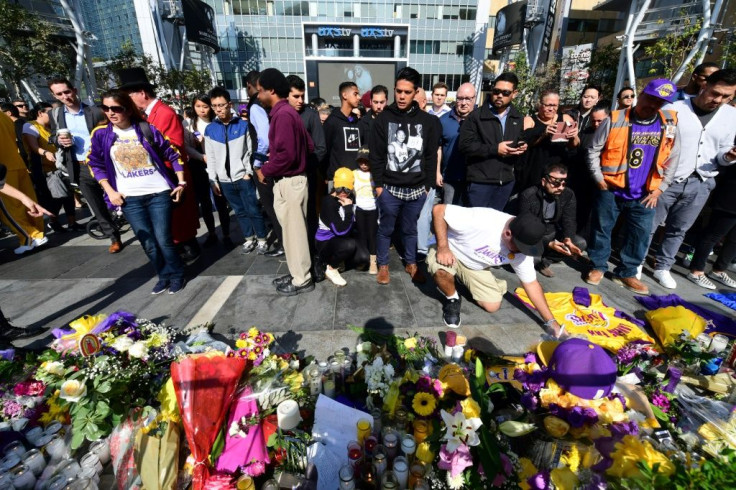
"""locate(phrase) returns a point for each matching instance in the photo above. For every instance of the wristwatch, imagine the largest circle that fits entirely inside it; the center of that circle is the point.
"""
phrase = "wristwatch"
(182, 184)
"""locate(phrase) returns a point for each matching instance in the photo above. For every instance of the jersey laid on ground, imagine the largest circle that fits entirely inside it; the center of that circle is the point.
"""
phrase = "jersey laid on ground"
(584, 314)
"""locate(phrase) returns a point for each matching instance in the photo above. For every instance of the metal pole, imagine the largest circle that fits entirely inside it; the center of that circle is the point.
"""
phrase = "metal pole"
(183, 50)
(702, 42)
(78, 33)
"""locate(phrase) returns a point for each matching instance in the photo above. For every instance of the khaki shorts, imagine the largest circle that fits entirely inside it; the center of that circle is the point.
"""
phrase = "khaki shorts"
(482, 284)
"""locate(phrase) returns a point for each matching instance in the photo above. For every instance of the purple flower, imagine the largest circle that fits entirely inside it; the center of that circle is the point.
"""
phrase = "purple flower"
(557, 411)
(455, 462)
(596, 483)
(530, 401)
(12, 409)
(540, 481)
(621, 429)
(531, 357)
(576, 417)
(501, 476)
(626, 355)
(606, 445)
(591, 416)
(7, 354)
(620, 397)
(661, 401)
(424, 384)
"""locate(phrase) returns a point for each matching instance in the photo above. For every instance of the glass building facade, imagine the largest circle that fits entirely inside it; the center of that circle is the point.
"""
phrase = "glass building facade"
(113, 23)
(434, 36)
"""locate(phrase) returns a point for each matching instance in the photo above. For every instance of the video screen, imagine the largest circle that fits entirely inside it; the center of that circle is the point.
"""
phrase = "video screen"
(366, 75)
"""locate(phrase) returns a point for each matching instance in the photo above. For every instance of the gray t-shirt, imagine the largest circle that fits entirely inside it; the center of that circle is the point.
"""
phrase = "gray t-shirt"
(704, 117)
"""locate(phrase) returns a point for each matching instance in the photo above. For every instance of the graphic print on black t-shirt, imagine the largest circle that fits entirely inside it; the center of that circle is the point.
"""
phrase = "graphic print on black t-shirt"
(405, 147)
(352, 138)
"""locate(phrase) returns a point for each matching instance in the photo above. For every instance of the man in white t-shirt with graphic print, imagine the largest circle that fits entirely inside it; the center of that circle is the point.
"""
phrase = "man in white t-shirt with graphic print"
(472, 240)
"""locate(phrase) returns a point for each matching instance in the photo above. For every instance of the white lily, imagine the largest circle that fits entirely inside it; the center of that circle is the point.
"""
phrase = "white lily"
(460, 430)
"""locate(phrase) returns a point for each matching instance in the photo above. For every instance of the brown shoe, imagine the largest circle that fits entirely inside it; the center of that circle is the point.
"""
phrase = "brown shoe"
(546, 271)
(115, 247)
(416, 273)
(632, 284)
(594, 277)
(383, 276)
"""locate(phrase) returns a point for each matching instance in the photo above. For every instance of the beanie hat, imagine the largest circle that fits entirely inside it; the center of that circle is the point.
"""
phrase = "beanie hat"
(343, 178)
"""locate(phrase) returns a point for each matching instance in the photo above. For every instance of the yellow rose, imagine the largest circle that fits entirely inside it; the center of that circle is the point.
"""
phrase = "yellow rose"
(470, 408)
(73, 390)
(556, 427)
(53, 367)
(629, 452)
(564, 479)
(410, 343)
(424, 453)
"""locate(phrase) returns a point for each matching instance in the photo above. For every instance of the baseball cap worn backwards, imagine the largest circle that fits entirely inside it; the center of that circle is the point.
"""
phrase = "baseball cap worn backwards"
(583, 369)
(363, 154)
(661, 88)
(527, 232)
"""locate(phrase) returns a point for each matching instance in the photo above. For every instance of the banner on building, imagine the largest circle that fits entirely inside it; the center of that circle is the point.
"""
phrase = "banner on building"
(509, 25)
(574, 71)
(199, 21)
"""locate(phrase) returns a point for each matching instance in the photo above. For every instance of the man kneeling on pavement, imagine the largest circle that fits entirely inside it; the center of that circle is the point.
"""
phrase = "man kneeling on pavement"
(554, 203)
(472, 240)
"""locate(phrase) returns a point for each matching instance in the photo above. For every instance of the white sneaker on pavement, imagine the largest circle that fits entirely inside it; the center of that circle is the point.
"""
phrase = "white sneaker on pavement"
(723, 278)
(334, 276)
(664, 278)
(701, 281)
(638, 271)
(249, 245)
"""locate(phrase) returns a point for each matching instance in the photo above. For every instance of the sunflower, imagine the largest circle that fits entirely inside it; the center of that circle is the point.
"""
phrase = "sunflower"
(424, 404)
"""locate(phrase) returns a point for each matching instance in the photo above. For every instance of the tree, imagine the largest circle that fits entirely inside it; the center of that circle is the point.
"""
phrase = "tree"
(603, 67)
(547, 77)
(175, 87)
(670, 51)
(30, 46)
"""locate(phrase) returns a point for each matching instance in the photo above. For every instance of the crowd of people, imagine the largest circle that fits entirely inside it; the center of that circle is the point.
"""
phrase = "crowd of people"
(456, 189)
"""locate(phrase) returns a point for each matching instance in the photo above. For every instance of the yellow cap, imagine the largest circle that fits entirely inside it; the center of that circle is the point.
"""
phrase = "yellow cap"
(343, 178)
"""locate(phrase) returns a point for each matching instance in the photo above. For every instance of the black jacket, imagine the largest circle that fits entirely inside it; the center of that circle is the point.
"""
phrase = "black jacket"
(93, 116)
(530, 202)
(479, 137)
(343, 139)
(408, 163)
(311, 121)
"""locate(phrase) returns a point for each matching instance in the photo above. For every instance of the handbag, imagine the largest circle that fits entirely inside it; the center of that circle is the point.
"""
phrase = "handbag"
(58, 186)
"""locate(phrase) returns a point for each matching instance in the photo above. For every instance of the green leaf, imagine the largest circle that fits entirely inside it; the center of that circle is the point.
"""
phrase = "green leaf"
(104, 387)
(659, 414)
(272, 440)
(77, 438)
(479, 371)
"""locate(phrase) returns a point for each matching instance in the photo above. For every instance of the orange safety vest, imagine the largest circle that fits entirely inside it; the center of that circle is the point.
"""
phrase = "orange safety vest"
(615, 157)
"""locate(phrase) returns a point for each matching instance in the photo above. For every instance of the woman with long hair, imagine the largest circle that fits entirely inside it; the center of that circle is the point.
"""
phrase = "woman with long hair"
(194, 139)
(127, 159)
(42, 155)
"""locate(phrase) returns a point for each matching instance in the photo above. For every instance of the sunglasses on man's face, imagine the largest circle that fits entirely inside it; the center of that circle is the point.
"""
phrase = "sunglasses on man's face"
(20, 105)
(342, 190)
(505, 93)
(554, 182)
(115, 109)
(627, 96)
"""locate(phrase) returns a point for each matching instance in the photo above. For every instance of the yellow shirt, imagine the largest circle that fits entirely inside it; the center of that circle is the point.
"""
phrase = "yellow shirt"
(45, 144)
(9, 155)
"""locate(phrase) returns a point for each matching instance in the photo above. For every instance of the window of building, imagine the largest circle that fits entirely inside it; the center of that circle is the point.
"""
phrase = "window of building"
(431, 12)
(492, 22)
(425, 47)
(451, 12)
(468, 13)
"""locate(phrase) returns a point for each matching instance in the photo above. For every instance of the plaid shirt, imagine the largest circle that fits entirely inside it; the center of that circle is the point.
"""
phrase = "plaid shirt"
(405, 193)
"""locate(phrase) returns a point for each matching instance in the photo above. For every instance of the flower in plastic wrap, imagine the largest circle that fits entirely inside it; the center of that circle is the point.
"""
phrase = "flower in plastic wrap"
(53, 367)
(470, 408)
(424, 404)
(410, 343)
(455, 461)
(564, 479)
(460, 430)
(629, 452)
(555, 426)
(138, 350)
(122, 343)
(73, 390)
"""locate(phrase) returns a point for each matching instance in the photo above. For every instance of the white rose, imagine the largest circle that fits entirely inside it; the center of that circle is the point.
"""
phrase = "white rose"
(121, 344)
(73, 390)
(54, 367)
(138, 350)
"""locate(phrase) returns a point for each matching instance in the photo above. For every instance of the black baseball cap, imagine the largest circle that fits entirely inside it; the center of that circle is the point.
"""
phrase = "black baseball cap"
(527, 232)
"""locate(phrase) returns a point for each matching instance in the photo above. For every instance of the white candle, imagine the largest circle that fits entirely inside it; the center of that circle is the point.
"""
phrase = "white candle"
(448, 352)
(288, 414)
(23, 478)
(408, 445)
(102, 449)
(719, 343)
(91, 460)
(329, 388)
(401, 470)
(35, 461)
(457, 353)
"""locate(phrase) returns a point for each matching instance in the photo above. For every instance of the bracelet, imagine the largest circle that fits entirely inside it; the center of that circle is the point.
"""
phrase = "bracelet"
(548, 323)
(182, 184)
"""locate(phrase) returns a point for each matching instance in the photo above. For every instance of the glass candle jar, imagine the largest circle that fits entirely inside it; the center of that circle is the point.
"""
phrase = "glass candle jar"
(23, 478)
(401, 418)
(56, 449)
(380, 461)
(102, 449)
(6, 480)
(83, 484)
(416, 472)
(91, 460)
(34, 434)
(377, 422)
(369, 444)
(391, 443)
(421, 484)
(53, 428)
(347, 478)
(59, 482)
(328, 384)
(35, 461)
(364, 429)
(69, 468)
(91, 474)
(389, 481)
(15, 447)
(421, 430)
(315, 380)
(245, 482)
(401, 470)
(355, 453)
(408, 446)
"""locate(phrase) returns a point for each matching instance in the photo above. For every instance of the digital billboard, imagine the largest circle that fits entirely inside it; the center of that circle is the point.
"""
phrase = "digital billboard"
(326, 76)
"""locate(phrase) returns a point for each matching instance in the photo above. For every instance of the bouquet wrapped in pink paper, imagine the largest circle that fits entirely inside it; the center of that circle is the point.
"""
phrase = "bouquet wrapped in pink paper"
(204, 386)
(245, 446)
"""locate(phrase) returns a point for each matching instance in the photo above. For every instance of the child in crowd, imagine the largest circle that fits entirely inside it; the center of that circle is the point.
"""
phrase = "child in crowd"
(334, 241)
(366, 214)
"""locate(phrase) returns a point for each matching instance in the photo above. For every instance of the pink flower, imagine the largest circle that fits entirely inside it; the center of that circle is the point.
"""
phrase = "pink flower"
(507, 468)
(255, 468)
(12, 409)
(29, 388)
(455, 462)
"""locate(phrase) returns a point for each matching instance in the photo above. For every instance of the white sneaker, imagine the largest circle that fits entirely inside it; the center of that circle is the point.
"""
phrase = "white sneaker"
(334, 276)
(723, 278)
(638, 271)
(664, 278)
(37, 242)
(249, 245)
(262, 247)
(701, 281)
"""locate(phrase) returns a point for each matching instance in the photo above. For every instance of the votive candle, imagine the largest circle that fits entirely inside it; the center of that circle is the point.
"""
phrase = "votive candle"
(35, 461)
(401, 470)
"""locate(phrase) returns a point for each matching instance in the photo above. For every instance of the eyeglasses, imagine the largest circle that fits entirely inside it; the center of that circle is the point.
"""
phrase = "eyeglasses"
(465, 99)
(627, 96)
(554, 182)
(21, 105)
(342, 190)
(505, 93)
(220, 106)
(115, 109)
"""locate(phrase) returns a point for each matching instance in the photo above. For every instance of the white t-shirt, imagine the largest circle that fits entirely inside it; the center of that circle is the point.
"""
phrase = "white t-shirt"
(135, 173)
(364, 197)
(474, 236)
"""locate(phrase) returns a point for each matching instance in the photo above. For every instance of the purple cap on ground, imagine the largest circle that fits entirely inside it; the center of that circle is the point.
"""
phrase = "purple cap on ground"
(583, 368)
(661, 88)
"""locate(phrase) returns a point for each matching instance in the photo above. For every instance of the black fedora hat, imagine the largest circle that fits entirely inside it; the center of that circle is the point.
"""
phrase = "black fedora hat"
(134, 79)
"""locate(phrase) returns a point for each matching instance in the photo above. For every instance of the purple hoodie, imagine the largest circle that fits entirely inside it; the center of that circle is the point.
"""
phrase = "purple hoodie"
(289, 143)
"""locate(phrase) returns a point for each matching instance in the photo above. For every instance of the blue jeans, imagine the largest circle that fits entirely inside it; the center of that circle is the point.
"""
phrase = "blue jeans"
(424, 225)
(241, 194)
(489, 195)
(637, 226)
(406, 213)
(150, 218)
